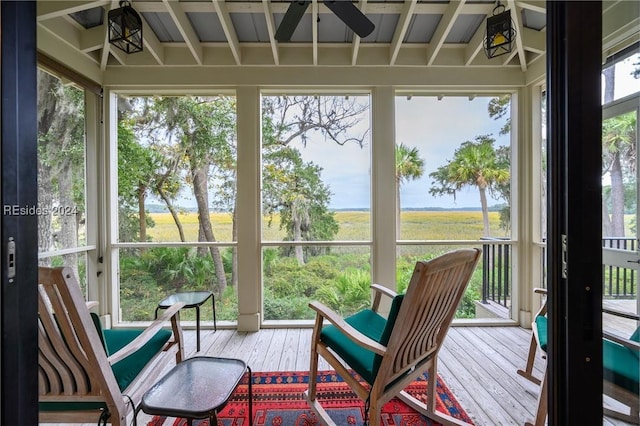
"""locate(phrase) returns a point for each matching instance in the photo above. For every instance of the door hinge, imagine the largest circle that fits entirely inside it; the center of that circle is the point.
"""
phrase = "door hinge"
(11, 259)
(564, 256)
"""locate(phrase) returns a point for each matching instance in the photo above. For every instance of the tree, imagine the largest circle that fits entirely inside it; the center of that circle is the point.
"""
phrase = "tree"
(198, 134)
(474, 164)
(619, 155)
(295, 190)
(291, 188)
(60, 165)
(137, 165)
(499, 107)
(409, 166)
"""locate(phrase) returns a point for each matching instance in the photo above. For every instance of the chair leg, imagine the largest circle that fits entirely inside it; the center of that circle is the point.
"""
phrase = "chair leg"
(313, 366)
(541, 412)
(375, 412)
(432, 386)
(527, 373)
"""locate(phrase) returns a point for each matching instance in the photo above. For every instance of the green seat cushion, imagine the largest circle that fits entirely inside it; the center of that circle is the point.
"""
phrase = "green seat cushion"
(372, 325)
(73, 406)
(636, 338)
(620, 365)
(541, 326)
(127, 369)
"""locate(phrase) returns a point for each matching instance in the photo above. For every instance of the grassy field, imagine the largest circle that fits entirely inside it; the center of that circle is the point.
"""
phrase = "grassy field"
(354, 225)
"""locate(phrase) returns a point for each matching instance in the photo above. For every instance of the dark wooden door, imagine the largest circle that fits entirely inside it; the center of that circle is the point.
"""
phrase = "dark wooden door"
(18, 318)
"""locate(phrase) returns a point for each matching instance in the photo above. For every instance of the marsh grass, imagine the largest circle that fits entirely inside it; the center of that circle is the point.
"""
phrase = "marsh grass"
(354, 225)
(150, 275)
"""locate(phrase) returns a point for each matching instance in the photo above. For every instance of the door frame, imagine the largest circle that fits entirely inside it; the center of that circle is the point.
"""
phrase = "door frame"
(574, 255)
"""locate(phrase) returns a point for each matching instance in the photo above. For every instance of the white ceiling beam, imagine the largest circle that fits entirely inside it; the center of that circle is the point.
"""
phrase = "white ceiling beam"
(92, 39)
(444, 28)
(539, 6)
(281, 7)
(184, 26)
(439, 79)
(314, 30)
(534, 41)
(106, 46)
(475, 45)
(506, 59)
(229, 30)
(53, 9)
(355, 44)
(271, 29)
(151, 42)
(517, 21)
(401, 29)
(119, 55)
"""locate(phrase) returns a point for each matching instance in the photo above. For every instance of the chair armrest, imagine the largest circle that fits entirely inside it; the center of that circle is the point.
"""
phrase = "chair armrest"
(621, 340)
(543, 308)
(92, 304)
(353, 334)
(379, 290)
(146, 335)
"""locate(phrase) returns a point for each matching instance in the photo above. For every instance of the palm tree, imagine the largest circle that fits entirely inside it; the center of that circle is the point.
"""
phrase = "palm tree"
(474, 164)
(618, 144)
(409, 166)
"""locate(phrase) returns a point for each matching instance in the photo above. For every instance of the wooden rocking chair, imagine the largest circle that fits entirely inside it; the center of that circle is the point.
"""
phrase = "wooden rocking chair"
(621, 367)
(391, 353)
(87, 374)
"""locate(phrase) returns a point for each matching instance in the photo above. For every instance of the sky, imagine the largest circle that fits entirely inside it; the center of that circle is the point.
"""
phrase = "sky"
(435, 127)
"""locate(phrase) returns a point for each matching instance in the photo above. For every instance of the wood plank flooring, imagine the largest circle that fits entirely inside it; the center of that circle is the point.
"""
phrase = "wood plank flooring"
(478, 364)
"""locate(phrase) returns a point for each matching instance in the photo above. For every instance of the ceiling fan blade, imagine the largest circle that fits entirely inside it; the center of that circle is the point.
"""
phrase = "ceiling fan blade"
(291, 19)
(351, 16)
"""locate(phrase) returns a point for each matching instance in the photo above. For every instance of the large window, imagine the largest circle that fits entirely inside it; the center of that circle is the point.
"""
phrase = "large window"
(176, 201)
(453, 184)
(316, 227)
(61, 209)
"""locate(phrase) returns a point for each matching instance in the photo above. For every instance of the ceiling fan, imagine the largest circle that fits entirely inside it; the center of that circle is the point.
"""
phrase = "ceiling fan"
(345, 10)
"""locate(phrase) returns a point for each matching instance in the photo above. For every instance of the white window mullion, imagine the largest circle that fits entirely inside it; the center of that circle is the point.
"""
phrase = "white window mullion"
(110, 294)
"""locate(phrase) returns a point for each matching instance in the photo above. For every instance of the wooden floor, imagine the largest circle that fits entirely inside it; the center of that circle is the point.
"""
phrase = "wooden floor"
(477, 363)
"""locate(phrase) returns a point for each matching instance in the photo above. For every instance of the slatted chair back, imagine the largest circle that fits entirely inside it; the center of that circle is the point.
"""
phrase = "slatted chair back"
(79, 381)
(72, 362)
(427, 310)
(389, 353)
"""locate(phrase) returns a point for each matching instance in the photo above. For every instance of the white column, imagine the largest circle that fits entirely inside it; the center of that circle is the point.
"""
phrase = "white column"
(526, 202)
(383, 206)
(248, 209)
(110, 188)
(93, 191)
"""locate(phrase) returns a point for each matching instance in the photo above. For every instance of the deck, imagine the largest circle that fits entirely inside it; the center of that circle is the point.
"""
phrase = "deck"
(478, 364)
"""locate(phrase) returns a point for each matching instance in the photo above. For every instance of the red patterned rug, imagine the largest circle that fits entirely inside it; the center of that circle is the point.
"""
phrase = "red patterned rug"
(278, 400)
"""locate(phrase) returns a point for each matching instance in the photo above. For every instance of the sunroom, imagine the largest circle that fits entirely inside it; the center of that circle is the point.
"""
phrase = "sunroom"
(272, 170)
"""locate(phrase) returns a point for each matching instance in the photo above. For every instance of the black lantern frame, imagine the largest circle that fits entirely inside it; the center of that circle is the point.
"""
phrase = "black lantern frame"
(501, 35)
(125, 28)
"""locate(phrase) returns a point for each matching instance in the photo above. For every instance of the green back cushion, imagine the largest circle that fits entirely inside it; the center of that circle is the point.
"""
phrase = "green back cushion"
(124, 371)
(372, 325)
(620, 365)
(541, 326)
(636, 338)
